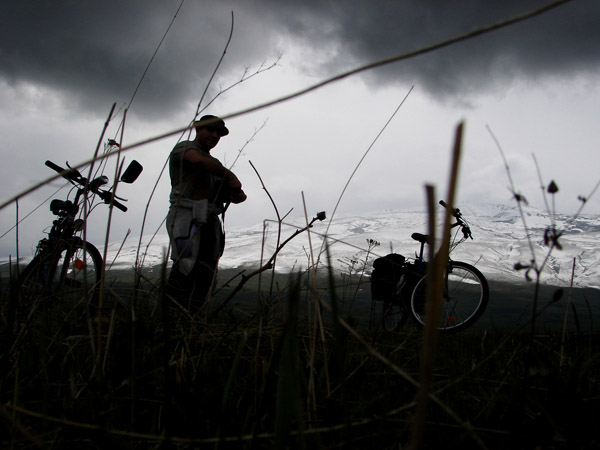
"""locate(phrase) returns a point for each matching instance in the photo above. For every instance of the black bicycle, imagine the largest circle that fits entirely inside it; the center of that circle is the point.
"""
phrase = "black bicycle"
(400, 285)
(65, 266)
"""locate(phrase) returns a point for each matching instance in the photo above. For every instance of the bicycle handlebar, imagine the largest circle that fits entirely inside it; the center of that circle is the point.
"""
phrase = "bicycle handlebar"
(54, 166)
(70, 174)
(73, 175)
(108, 197)
(459, 220)
(455, 211)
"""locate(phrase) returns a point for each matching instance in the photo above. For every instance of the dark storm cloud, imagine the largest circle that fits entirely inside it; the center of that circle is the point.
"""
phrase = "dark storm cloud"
(560, 42)
(95, 52)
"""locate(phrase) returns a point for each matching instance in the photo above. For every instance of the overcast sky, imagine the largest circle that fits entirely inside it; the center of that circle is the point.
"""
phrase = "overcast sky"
(535, 84)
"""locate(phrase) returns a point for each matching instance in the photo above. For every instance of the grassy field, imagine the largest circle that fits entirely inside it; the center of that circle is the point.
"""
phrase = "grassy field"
(509, 307)
(269, 372)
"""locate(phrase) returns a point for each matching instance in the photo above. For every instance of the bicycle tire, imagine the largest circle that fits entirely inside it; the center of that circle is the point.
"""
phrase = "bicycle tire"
(71, 273)
(465, 297)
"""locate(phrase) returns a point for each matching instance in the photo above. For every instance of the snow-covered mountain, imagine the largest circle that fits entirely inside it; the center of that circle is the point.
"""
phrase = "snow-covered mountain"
(499, 242)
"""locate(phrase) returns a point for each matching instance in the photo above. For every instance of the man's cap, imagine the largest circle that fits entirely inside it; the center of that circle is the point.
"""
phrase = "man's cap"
(214, 122)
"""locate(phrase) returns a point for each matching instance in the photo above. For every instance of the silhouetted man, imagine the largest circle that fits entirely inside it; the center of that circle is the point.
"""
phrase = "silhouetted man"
(201, 190)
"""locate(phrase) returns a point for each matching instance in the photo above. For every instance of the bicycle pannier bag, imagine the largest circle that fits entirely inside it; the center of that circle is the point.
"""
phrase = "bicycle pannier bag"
(386, 274)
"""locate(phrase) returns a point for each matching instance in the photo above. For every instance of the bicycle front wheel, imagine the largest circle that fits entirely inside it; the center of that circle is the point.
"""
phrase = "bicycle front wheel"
(69, 273)
(465, 297)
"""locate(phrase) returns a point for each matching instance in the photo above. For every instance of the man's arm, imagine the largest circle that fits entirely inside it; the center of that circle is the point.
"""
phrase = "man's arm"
(212, 166)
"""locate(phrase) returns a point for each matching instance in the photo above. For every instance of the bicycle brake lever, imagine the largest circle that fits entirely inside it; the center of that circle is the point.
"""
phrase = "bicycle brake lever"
(467, 232)
(75, 172)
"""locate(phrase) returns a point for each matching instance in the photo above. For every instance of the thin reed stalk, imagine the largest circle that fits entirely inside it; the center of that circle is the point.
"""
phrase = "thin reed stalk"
(317, 324)
(564, 329)
(85, 215)
(17, 234)
(360, 162)
(118, 170)
(434, 292)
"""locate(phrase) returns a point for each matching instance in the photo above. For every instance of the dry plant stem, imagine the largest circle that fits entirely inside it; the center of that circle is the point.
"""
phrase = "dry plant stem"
(340, 241)
(268, 265)
(95, 158)
(434, 292)
(85, 215)
(108, 267)
(248, 141)
(118, 169)
(534, 265)
(584, 199)
(279, 222)
(273, 259)
(317, 324)
(152, 438)
(432, 305)
(138, 264)
(553, 244)
(370, 247)
(42, 203)
(159, 439)
(17, 234)
(153, 56)
(212, 76)
(149, 64)
(19, 427)
(262, 68)
(513, 190)
(564, 330)
(359, 164)
(380, 63)
(551, 212)
(110, 334)
(262, 256)
(373, 352)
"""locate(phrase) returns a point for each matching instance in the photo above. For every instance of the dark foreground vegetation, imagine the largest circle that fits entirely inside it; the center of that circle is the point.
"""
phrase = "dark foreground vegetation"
(144, 374)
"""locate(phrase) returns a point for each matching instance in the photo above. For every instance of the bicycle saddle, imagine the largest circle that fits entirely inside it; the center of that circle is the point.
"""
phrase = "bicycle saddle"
(422, 238)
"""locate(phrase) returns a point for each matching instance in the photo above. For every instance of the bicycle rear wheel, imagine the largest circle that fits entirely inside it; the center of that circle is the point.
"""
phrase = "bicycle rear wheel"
(465, 297)
(70, 273)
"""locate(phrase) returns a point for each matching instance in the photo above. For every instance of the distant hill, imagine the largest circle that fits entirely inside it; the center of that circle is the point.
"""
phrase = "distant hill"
(499, 241)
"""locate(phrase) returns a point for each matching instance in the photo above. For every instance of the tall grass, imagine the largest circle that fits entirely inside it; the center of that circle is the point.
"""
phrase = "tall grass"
(300, 375)
(145, 373)
(168, 379)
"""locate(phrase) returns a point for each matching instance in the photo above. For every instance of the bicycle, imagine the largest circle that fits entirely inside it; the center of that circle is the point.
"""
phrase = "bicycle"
(65, 267)
(400, 285)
